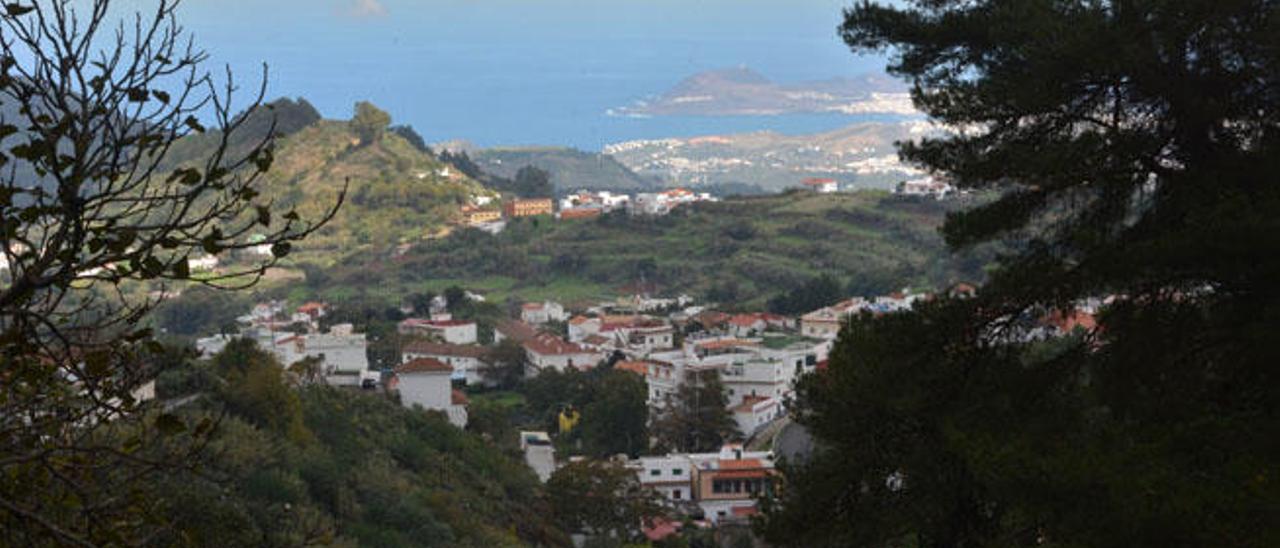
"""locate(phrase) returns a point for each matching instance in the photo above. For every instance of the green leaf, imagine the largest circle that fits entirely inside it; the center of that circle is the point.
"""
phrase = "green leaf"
(264, 215)
(280, 249)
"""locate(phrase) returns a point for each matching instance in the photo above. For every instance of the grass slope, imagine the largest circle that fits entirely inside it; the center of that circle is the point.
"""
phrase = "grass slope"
(741, 251)
(398, 192)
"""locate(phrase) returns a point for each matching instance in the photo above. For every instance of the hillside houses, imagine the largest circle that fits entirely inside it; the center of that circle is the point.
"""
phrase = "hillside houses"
(826, 322)
(724, 485)
(661, 203)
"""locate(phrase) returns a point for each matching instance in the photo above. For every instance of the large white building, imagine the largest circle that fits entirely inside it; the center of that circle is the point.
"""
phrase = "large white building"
(425, 383)
(468, 361)
(450, 331)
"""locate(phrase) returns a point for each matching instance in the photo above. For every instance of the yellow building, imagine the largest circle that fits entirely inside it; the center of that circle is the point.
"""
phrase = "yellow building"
(527, 207)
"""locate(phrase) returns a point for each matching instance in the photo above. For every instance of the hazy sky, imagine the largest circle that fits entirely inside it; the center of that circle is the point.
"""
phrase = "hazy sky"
(451, 66)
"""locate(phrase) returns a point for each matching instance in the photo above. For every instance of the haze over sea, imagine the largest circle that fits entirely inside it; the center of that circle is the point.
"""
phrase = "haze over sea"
(525, 72)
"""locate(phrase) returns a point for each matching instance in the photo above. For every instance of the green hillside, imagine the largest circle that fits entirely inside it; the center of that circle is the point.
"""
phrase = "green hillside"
(397, 192)
(315, 465)
(738, 252)
(570, 169)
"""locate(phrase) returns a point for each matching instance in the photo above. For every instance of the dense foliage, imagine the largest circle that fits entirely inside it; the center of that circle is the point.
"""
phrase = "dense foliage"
(292, 465)
(612, 404)
(1136, 145)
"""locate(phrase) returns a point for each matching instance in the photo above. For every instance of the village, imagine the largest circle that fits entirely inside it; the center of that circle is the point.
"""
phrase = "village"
(757, 357)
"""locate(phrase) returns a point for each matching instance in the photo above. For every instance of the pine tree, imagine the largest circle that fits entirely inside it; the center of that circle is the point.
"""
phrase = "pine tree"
(1134, 148)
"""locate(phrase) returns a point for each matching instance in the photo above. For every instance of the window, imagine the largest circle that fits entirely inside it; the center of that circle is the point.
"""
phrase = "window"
(677, 471)
(655, 472)
(675, 494)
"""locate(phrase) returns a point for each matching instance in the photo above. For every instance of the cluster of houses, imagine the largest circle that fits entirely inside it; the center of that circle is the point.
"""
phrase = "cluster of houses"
(579, 205)
(757, 357)
(295, 335)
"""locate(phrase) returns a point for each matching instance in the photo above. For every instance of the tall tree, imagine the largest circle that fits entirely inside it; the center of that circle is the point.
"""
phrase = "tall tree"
(92, 212)
(1135, 147)
(615, 421)
(370, 122)
(602, 498)
(532, 182)
(696, 418)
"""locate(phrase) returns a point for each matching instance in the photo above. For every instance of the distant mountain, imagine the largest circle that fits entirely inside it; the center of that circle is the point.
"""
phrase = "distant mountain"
(398, 192)
(570, 169)
(742, 91)
(861, 155)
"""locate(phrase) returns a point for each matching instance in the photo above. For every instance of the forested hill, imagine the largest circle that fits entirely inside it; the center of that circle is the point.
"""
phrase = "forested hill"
(317, 465)
(397, 191)
(740, 252)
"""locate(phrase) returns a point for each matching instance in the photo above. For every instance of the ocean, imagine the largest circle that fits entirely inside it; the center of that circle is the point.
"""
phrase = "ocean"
(531, 72)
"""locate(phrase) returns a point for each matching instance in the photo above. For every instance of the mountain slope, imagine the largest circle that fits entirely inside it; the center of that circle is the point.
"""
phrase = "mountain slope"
(396, 192)
(570, 169)
(739, 252)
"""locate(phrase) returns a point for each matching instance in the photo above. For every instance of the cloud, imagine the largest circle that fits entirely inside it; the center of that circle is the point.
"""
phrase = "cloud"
(367, 8)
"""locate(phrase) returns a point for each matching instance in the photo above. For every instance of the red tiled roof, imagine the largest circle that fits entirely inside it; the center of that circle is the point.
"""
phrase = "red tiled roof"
(532, 306)
(640, 368)
(745, 511)
(815, 181)
(517, 330)
(546, 344)
(745, 320)
(458, 398)
(579, 320)
(311, 306)
(424, 365)
(444, 349)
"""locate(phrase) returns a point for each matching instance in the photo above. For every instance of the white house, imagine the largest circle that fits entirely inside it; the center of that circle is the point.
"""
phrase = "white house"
(540, 313)
(754, 412)
(450, 331)
(547, 351)
(424, 382)
(468, 361)
(342, 351)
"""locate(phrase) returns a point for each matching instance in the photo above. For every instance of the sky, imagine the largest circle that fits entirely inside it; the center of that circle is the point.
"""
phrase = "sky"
(512, 72)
